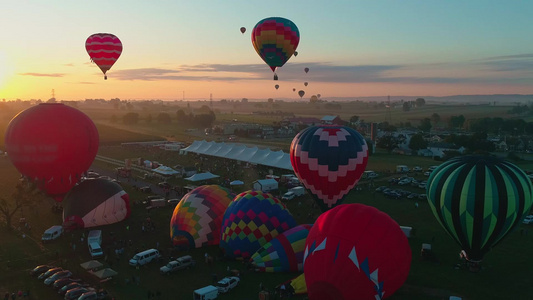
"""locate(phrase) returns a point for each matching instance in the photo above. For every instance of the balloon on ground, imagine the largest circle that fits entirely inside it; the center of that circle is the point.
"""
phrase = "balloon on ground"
(253, 219)
(354, 251)
(95, 202)
(478, 200)
(104, 50)
(197, 218)
(284, 253)
(329, 160)
(52, 144)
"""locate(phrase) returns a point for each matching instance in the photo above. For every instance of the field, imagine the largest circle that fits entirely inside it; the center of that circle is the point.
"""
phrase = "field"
(505, 273)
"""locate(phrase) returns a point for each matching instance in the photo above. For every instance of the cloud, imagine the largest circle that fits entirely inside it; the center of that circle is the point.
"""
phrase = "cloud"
(526, 55)
(85, 82)
(43, 74)
(69, 65)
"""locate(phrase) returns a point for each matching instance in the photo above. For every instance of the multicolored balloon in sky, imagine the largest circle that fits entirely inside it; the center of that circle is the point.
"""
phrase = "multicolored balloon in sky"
(354, 251)
(329, 160)
(52, 144)
(478, 200)
(275, 40)
(197, 218)
(253, 219)
(104, 50)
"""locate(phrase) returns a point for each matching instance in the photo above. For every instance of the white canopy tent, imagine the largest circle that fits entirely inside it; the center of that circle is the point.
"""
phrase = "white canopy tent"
(202, 176)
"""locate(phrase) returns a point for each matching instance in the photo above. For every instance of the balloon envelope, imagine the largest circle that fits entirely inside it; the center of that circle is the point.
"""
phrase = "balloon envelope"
(306, 70)
(197, 218)
(275, 40)
(301, 93)
(276, 86)
(104, 50)
(478, 200)
(243, 30)
(52, 144)
(354, 251)
(284, 253)
(306, 83)
(329, 160)
(95, 202)
(253, 219)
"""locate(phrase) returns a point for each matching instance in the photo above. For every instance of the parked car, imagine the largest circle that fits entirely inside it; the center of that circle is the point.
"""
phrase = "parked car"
(94, 295)
(145, 189)
(49, 273)
(427, 173)
(528, 219)
(422, 184)
(417, 169)
(380, 188)
(227, 283)
(75, 293)
(412, 196)
(173, 201)
(422, 197)
(56, 276)
(64, 281)
(40, 269)
(164, 185)
(71, 286)
(184, 262)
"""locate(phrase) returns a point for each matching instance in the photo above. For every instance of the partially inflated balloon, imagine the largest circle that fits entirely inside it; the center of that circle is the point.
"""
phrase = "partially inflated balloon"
(253, 219)
(329, 160)
(354, 251)
(197, 219)
(478, 200)
(275, 40)
(52, 144)
(243, 30)
(104, 50)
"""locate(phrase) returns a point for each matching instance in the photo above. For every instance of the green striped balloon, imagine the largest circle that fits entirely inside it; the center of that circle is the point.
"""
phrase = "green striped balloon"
(478, 200)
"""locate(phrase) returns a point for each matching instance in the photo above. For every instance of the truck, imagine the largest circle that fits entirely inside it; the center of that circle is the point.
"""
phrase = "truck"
(52, 233)
(265, 185)
(402, 169)
(181, 263)
(293, 193)
(94, 242)
(206, 293)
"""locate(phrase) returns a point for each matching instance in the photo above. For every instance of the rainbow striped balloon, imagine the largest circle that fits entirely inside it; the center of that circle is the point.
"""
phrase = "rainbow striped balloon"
(104, 50)
(275, 40)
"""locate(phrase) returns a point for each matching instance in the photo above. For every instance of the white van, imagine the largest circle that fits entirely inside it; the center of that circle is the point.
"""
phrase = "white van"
(145, 257)
(206, 293)
(52, 233)
(96, 250)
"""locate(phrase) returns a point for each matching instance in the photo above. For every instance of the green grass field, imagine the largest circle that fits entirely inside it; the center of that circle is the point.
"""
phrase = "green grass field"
(505, 273)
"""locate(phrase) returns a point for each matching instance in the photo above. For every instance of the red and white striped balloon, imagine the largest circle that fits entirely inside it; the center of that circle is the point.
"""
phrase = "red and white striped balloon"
(104, 50)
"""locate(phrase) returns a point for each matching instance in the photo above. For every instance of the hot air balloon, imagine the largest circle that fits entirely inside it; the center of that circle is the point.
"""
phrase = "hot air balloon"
(329, 160)
(243, 30)
(301, 93)
(197, 218)
(253, 219)
(95, 202)
(284, 253)
(354, 251)
(306, 70)
(294, 89)
(318, 95)
(275, 39)
(478, 200)
(104, 50)
(306, 83)
(295, 53)
(52, 144)
(276, 86)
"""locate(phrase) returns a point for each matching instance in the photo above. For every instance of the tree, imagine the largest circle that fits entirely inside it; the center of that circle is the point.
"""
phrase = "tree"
(435, 119)
(406, 106)
(25, 194)
(388, 142)
(425, 125)
(149, 118)
(420, 102)
(354, 119)
(417, 142)
(457, 121)
(181, 115)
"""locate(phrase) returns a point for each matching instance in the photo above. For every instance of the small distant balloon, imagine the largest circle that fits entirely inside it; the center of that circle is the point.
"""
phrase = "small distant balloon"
(276, 86)
(318, 95)
(243, 30)
(301, 93)
(306, 70)
(295, 53)
(293, 89)
(306, 83)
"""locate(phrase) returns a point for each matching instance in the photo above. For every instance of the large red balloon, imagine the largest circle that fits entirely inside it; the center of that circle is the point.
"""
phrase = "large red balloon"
(354, 251)
(52, 144)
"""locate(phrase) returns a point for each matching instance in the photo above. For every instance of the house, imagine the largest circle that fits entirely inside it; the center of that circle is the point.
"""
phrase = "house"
(331, 120)
(438, 149)
(294, 122)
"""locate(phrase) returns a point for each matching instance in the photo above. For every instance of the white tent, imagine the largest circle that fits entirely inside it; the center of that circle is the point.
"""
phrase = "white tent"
(164, 170)
(202, 176)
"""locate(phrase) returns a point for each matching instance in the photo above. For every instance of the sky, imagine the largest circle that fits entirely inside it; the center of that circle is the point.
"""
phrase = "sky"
(183, 49)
